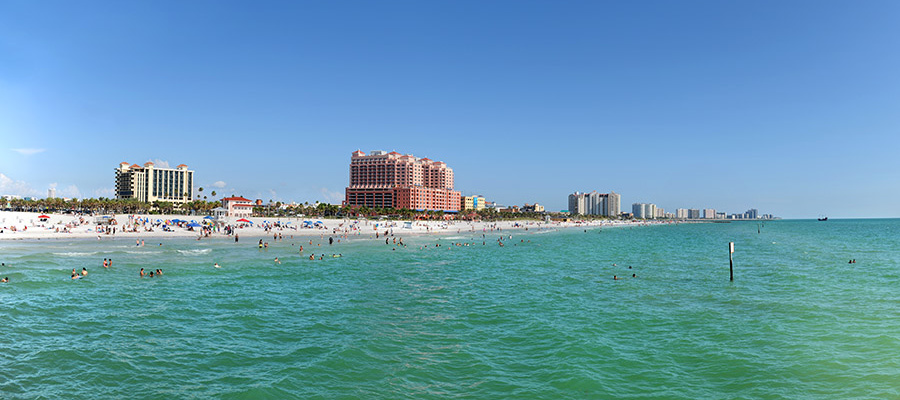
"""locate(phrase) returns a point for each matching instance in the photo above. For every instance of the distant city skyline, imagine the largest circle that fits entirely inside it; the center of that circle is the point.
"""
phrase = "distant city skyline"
(786, 107)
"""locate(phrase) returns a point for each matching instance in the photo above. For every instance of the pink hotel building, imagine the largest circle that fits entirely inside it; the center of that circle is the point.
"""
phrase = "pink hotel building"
(394, 180)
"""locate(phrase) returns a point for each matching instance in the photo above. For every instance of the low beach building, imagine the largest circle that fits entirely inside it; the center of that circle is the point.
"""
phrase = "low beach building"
(533, 208)
(149, 183)
(236, 206)
(472, 203)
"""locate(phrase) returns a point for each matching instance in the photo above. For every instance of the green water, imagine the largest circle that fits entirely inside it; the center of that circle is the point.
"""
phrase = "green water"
(535, 320)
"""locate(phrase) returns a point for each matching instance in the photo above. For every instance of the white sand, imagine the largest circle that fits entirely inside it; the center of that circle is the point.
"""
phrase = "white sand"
(27, 225)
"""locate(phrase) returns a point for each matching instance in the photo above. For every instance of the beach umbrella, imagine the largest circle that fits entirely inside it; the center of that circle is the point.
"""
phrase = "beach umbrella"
(244, 220)
(43, 216)
(208, 217)
(194, 225)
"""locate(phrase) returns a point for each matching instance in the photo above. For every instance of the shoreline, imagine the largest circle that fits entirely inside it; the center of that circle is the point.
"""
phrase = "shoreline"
(27, 226)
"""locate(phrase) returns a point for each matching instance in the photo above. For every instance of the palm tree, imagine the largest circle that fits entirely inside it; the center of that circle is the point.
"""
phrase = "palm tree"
(213, 194)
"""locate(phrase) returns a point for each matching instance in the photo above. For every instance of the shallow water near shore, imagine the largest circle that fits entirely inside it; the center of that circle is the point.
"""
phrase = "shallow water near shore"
(541, 318)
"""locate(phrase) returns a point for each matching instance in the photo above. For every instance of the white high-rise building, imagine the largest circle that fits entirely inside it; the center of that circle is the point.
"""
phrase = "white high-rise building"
(613, 208)
(709, 213)
(576, 204)
(681, 213)
(595, 204)
(51, 193)
(148, 183)
(643, 210)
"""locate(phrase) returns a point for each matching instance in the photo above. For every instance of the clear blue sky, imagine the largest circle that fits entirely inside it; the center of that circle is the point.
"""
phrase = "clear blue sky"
(791, 107)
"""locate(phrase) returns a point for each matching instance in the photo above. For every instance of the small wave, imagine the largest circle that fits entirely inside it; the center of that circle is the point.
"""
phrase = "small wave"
(194, 252)
(76, 254)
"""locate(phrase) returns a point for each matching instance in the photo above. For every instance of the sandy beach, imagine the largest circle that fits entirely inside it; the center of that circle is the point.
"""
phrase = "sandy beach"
(29, 225)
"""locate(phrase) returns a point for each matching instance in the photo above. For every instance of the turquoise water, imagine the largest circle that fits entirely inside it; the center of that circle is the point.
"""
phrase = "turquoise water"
(535, 320)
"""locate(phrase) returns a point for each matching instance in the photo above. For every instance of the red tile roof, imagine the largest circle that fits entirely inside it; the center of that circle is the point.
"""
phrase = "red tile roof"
(181, 165)
(236, 199)
(135, 166)
(242, 205)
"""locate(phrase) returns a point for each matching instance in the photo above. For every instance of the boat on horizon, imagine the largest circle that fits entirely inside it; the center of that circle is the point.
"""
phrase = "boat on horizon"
(823, 218)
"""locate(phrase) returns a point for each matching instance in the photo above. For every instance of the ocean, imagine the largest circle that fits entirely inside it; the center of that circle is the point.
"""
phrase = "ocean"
(538, 318)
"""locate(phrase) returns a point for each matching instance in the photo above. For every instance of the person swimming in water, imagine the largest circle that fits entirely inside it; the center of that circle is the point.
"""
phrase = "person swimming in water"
(217, 265)
(276, 261)
(142, 273)
(83, 271)
(5, 280)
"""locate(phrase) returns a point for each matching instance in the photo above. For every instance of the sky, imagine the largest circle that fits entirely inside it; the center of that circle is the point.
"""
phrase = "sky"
(789, 107)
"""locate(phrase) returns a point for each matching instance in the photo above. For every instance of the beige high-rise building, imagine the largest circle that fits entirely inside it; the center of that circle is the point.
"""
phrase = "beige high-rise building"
(148, 183)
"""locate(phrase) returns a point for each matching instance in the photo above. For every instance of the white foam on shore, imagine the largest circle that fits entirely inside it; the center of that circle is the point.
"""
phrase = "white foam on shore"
(76, 254)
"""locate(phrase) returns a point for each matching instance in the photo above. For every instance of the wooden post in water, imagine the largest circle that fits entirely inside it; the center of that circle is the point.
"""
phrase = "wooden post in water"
(731, 260)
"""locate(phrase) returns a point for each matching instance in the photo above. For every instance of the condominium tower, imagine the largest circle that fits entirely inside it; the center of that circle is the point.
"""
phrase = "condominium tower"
(149, 183)
(643, 210)
(605, 204)
(394, 180)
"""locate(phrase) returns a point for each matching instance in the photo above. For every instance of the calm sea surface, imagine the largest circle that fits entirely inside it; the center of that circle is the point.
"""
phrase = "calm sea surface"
(533, 320)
